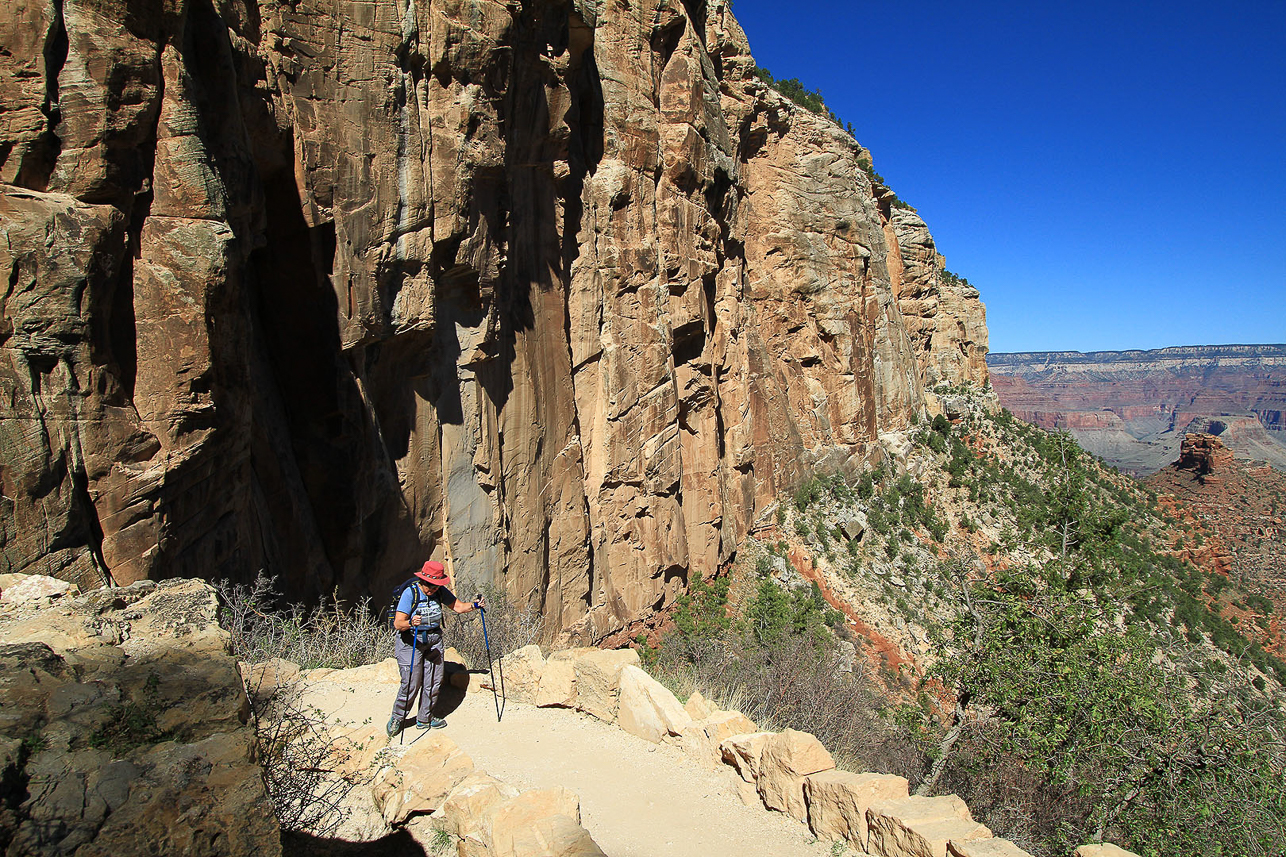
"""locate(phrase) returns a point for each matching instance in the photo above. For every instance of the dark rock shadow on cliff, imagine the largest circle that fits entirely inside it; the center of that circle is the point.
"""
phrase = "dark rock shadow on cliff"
(399, 370)
(399, 843)
(544, 207)
(352, 493)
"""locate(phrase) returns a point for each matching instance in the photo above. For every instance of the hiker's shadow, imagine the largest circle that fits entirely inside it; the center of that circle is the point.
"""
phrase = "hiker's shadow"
(455, 685)
(399, 843)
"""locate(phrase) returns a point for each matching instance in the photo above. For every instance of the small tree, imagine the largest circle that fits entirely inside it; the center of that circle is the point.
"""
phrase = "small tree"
(1088, 707)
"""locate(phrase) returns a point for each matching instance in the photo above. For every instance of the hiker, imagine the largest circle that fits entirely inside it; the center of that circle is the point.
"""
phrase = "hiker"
(418, 645)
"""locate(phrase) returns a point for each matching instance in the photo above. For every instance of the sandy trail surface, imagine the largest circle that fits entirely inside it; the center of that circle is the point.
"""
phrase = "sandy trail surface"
(637, 799)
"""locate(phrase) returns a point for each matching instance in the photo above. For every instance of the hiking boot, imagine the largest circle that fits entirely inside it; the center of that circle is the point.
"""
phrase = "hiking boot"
(431, 723)
(394, 726)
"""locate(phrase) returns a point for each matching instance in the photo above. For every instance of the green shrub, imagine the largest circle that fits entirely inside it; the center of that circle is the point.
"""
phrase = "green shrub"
(866, 486)
(702, 611)
(132, 723)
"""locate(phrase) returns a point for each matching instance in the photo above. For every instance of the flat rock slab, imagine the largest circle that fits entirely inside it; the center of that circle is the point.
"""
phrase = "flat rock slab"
(838, 801)
(647, 709)
(788, 758)
(920, 826)
(743, 753)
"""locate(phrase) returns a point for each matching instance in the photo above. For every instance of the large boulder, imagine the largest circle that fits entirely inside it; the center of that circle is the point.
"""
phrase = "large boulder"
(787, 759)
(129, 728)
(557, 683)
(465, 809)
(743, 753)
(853, 526)
(38, 589)
(542, 822)
(421, 779)
(521, 671)
(598, 680)
(702, 740)
(838, 801)
(919, 826)
(647, 709)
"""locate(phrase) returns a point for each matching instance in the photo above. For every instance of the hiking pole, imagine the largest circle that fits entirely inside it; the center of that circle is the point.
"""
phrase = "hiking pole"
(490, 668)
(401, 730)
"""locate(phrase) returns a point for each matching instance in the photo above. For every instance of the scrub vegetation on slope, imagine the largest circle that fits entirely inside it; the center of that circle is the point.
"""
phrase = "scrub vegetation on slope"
(992, 612)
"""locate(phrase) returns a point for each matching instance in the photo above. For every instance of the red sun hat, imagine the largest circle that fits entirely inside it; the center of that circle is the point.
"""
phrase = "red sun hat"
(433, 572)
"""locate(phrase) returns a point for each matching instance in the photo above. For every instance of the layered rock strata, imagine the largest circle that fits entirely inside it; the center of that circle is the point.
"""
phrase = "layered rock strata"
(559, 290)
(1133, 408)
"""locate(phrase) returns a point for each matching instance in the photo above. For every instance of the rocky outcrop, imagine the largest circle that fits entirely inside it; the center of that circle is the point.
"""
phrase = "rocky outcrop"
(1230, 521)
(1202, 454)
(560, 290)
(943, 314)
(123, 727)
(1133, 408)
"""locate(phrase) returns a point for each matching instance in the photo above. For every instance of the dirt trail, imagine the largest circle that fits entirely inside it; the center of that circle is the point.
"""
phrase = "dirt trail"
(637, 799)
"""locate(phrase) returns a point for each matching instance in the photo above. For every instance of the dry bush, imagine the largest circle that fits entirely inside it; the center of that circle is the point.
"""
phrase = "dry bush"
(1014, 800)
(301, 765)
(800, 685)
(327, 635)
(510, 626)
(332, 635)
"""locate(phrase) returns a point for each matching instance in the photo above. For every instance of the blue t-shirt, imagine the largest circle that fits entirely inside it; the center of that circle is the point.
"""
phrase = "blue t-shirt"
(429, 607)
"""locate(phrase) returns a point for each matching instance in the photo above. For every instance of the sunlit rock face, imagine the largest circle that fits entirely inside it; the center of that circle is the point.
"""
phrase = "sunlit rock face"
(559, 290)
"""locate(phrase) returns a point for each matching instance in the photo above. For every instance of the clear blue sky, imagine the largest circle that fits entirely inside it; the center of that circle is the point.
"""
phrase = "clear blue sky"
(1110, 175)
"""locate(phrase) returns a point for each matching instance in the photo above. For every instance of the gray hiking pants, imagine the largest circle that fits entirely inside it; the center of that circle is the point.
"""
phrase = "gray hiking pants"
(426, 672)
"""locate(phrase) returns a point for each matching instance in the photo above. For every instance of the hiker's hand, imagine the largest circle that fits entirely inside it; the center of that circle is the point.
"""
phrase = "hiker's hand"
(415, 620)
(479, 603)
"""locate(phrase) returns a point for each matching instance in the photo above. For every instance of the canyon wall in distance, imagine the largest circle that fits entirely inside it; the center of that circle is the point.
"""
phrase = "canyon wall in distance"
(1133, 408)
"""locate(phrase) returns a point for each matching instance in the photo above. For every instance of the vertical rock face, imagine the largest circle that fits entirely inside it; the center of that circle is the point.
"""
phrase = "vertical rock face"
(557, 289)
(943, 315)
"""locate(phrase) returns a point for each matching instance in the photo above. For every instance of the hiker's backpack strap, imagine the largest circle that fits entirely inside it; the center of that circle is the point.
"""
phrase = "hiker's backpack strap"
(397, 600)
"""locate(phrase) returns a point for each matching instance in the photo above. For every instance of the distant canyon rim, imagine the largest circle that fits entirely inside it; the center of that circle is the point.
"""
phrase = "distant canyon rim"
(1133, 408)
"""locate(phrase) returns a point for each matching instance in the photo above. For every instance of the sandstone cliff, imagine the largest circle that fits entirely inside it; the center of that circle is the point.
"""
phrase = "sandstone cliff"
(559, 289)
(1133, 408)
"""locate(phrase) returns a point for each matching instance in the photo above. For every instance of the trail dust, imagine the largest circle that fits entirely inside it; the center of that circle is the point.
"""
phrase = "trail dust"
(637, 799)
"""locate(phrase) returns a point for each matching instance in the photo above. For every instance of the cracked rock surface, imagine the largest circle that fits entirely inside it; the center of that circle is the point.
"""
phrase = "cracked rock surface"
(558, 289)
(123, 728)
